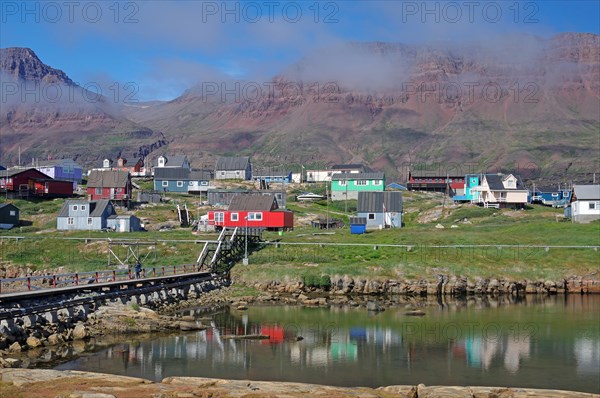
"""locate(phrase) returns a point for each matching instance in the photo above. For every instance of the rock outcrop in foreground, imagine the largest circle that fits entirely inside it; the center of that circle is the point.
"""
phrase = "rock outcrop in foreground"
(35, 383)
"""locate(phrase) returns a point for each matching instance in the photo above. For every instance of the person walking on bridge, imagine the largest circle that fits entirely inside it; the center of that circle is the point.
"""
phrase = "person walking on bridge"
(138, 269)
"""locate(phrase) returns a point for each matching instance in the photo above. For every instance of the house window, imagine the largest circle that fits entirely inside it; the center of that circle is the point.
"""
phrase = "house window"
(203, 182)
(75, 208)
(555, 194)
(70, 221)
(255, 217)
(82, 207)
(98, 191)
(234, 216)
(343, 183)
(90, 220)
(222, 173)
(376, 182)
(13, 213)
(219, 217)
(165, 183)
(594, 205)
(179, 184)
(371, 216)
(360, 182)
(191, 183)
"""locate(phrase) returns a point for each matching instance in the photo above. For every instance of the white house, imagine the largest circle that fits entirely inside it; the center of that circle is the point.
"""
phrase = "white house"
(501, 190)
(585, 203)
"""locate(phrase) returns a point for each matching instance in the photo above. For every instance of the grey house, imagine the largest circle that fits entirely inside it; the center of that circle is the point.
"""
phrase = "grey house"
(381, 209)
(238, 168)
(95, 216)
(9, 216)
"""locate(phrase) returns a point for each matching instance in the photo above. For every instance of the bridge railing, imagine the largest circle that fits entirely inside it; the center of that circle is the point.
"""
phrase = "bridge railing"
(54, 281)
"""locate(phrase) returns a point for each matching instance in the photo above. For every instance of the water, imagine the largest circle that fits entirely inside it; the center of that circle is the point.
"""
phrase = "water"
(551, 342)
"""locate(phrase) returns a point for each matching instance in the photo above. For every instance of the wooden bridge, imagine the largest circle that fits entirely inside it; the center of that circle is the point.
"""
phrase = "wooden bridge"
(233, 244)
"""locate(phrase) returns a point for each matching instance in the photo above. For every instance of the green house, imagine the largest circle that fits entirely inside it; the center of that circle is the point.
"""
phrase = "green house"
(348, 185)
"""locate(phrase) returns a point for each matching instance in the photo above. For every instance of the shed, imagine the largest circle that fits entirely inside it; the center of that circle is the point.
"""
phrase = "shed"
(381, 209)
(9, 216)
(358, 225)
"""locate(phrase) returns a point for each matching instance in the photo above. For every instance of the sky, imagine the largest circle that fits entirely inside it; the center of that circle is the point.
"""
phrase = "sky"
(155, 50)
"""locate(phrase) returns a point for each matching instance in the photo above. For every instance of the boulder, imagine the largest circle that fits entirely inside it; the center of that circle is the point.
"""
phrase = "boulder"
(15, 347)
(33, 342)
(80, 332)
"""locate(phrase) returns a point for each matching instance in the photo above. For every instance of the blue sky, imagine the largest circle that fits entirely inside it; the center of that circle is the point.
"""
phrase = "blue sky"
(166, 47)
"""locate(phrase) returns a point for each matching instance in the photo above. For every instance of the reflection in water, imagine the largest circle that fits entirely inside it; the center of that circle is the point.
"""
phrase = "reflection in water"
(518, 345)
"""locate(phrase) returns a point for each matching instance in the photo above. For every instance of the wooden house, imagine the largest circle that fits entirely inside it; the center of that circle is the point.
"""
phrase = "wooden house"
(501, 190)
(181, 179)
(435, 181)
(237, 168)
(252, 211)
(62, 169)
(551, 196)
(109, 184)
(33, 183)
(178, 161)
(469, 194)
(9, 216)
(318, 175)
(350, 168)
(348, 185)
(94, 216)
(585, 204)
(272, 174)
(380, 209)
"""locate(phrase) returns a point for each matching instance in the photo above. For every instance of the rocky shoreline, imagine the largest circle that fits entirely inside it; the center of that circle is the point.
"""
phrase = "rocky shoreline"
(35, 383)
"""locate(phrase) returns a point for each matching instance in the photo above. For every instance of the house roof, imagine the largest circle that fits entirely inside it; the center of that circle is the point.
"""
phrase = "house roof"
(269, 172)
(108, 179)
(351, 166)
(14, 172)
(97, 207)
(56, 162)
(253, 203)
(436, 173)
(358, 176)
(373, 202)
(587, 192)
(171, 173)
(495, 182)
(3, 205)
(232, 163)
(201, 175)
(173, 160)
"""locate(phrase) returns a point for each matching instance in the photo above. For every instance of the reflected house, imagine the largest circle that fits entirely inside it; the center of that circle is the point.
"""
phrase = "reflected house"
(518, 347)
(480, 352)
(274, 332)
(587, 355)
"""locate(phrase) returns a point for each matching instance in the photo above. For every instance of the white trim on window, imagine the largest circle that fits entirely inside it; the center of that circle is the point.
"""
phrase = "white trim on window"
(234, 217)
(70, 221)
(90, 221)
(179, 184)
(165, 183)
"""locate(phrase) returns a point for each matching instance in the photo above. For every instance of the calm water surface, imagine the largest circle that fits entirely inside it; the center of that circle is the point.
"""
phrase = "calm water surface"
(551, 342)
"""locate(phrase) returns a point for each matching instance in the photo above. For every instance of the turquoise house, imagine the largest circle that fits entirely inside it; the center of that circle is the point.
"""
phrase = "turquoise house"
(471, 181)
(348, 185)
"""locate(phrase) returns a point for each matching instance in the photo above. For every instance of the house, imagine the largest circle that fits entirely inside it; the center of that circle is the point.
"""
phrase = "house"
(181, 179)
(95, 216)
(62, 169)
(396, 185)
(348, 185)
(501, 190)
(238, 168)
(551, 196)
(9, 216)
(32, 182)
(252, 211)
(585, 203)
(109, 184)
(179, 161)
(318, 175)
(137, 169)
(272, 174)
(381, 209)
(435, 181)
(469, 193)
(2, 167)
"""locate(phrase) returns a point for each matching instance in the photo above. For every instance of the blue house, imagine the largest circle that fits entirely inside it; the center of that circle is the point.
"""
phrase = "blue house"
(272, 174)
(550, 196)
(62, 169)
(471, 181)
(181, 179)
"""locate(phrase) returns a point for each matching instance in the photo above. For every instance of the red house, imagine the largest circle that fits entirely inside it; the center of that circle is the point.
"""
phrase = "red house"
(32, 182)
(435, 181)
(252, 211)
(109, 184)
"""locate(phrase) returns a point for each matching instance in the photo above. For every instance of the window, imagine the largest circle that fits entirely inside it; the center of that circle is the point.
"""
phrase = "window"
(555, 194)
(360, 182)
(234, 216)
(99, 191)
(90, 220)
(75, 208)
(203, 182)
(13, 213)
(376, 182)
(82, 207)
(594, 205)
(255, 217)
(222, 173)
(219, 217)
(165, 183)
(179, 184)
(343, 183)
(371, 216)
(191, 183)
(70, 221)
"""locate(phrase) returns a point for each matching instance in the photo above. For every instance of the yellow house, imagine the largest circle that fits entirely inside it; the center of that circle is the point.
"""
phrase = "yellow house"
(501, 190)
